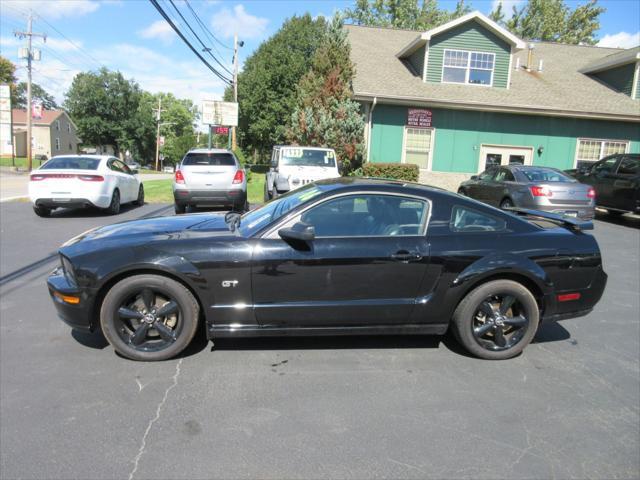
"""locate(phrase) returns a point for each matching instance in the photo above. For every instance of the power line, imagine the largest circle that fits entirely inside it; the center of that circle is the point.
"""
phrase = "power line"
(206, 30)
(206, 49)
(185, 40)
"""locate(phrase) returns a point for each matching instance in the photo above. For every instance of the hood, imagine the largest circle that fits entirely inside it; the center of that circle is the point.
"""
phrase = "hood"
(151, 227)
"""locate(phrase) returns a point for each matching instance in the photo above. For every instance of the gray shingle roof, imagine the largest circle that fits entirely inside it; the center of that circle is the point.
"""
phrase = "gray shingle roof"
(560, 89)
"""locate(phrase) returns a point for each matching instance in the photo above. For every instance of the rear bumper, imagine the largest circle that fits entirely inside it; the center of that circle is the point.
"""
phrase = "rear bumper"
(589, 297)
(579, 211)
(65, 203)
(209, 197)
(76, 316)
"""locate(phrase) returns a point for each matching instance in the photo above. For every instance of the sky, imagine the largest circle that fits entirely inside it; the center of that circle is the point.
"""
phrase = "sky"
(132, 37)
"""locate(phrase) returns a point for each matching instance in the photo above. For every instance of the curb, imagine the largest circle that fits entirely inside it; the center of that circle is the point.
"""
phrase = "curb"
(12, 199)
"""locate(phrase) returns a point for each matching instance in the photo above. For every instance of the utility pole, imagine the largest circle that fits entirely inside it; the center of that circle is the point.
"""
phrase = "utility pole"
(235, 84)
(158, 112)
(29, 55)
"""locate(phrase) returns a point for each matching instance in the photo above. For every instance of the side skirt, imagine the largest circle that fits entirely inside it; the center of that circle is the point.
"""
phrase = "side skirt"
(226, 331)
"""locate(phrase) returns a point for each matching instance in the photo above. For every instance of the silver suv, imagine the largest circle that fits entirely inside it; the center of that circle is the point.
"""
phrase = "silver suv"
(210, 177)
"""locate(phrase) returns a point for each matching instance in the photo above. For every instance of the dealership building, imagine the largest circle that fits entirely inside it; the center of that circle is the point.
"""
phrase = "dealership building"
(469, 94)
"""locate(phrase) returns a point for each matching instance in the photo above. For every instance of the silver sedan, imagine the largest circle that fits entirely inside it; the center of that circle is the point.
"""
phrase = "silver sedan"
(536, 188)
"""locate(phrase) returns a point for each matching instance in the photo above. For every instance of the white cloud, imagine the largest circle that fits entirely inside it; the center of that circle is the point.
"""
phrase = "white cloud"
(227, 22)
(61, 44)
(51, 9)
(160, 30)
(507, 5)
(620, 40)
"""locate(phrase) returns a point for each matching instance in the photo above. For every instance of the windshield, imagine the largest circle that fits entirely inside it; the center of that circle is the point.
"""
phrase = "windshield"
(308, 158)
(546, 175)
(76, 163)
(209, 159)
(255, 220)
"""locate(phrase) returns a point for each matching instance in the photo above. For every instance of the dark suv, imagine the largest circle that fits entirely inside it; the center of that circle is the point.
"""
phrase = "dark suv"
(616, 179)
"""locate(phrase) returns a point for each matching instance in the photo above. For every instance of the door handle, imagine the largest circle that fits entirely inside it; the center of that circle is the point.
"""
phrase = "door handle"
(405, 256)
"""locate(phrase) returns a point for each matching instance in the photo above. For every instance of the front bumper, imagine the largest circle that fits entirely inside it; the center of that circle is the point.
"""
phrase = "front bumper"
(210, 197)
(77, 316)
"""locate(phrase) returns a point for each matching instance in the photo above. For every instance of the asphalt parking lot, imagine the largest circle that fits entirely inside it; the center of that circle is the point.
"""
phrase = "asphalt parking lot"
(394, 407)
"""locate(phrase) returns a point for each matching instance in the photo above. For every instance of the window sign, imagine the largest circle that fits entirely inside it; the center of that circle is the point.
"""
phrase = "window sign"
(419, 117)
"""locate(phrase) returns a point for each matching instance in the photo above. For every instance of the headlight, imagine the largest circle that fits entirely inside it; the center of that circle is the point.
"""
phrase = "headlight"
(69, 272)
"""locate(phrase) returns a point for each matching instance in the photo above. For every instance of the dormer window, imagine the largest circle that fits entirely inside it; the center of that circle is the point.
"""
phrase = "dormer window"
(475, 68)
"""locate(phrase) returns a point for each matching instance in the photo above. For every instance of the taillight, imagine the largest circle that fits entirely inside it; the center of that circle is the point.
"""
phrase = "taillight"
(239, 177)
(568, 297)
(37, 178)
(591, 193)
(91, 178)
(543, 191)
(179, 177)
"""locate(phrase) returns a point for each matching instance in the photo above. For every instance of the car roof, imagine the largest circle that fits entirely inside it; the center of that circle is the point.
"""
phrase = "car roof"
(69, 155)
(370, 183)
(209, 150)
(302, 146)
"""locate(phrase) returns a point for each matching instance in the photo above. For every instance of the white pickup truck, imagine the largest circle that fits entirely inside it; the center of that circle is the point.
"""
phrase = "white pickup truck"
(292, 167)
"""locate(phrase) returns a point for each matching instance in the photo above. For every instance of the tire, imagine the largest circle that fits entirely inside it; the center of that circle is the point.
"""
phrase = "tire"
(267, 196)
(41, 211)
(242, 207)
(140, 200)
(506, 203)
(275, 193)
(462, 192)
(615, 213)
(114, 206)
(125, 315)
(180, 209)
(479, 332)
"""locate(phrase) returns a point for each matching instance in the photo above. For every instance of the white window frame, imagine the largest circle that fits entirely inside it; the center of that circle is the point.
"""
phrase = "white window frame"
(69, 127)
(57, 143)
(601, 155)
(468, 67)
(58, 125)
(432, 143)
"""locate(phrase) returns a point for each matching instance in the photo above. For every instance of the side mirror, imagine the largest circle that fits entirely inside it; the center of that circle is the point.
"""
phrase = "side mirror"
(300, 232)
(474, 177)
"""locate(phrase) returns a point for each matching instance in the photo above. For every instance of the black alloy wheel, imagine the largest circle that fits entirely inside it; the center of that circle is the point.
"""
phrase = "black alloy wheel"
(506, 203)
(496, 320)
(149, 317)
(140, 200)
(114, 206)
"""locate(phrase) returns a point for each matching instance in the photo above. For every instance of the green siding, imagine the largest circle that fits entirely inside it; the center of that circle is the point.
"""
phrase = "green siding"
(460, 133)
(417, 61)
(620, 78)
(474, 37)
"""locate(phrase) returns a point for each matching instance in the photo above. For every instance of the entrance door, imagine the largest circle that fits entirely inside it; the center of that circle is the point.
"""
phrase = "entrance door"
(496, 155)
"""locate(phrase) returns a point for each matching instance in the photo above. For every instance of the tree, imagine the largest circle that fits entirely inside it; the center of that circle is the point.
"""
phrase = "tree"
(554, 21)
(104, 106)
(267, 84)
(410, 14)
(37, 93)
(326, 116)
(497, 14)
(8, 77)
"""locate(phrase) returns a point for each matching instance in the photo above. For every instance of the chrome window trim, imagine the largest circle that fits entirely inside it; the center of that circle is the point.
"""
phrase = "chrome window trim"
(272, 232)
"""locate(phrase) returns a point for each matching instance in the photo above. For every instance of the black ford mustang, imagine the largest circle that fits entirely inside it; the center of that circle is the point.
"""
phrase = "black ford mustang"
(343, 256)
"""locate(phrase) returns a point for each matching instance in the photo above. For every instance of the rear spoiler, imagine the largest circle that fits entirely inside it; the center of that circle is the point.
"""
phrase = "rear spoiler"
(570, 223)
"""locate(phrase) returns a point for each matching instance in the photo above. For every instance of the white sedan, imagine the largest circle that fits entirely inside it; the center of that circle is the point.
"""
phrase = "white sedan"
(78, 181)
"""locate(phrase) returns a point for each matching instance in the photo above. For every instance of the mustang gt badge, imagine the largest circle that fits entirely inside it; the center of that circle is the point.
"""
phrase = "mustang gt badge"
(229, 283)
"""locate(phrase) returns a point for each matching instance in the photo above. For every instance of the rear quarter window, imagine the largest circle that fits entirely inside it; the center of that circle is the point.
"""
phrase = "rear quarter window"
(209, 159)
(465, 220)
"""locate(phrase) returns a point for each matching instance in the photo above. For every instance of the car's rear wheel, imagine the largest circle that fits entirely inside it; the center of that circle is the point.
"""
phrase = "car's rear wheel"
(149, 317)
(267, 196)
(496, 320)
(241, 207)
(179, 208)
(506, 203)
(461, 191)
(41, 211)
(114, 206)
(140, 199)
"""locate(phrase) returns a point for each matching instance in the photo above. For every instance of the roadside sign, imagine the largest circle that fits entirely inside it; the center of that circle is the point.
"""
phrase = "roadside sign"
(215, 112)
(6, 135)
(161, 141)
(419, 117)
(221, 130)
(36, 111)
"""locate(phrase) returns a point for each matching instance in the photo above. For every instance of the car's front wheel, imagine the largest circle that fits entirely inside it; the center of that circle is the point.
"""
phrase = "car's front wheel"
(41, 211)
(149, 317)
(496, 320)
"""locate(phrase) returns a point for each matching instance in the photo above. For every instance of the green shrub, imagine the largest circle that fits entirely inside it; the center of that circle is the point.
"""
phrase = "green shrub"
(394, 171)
(240, 156)
(260, 168)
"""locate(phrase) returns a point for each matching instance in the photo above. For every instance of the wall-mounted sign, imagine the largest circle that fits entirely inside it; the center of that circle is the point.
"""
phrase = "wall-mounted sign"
(221, 130)
(220, 113)
(36, 111)
(6, 136)
(419, 117)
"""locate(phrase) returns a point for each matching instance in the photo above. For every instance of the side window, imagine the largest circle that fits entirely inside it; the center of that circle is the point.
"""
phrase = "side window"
(464, 219)
(368, 215)
(504, 175)
(605, 166)
(123, 167)
(488, 174)
(629, 166)
(113, 165)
